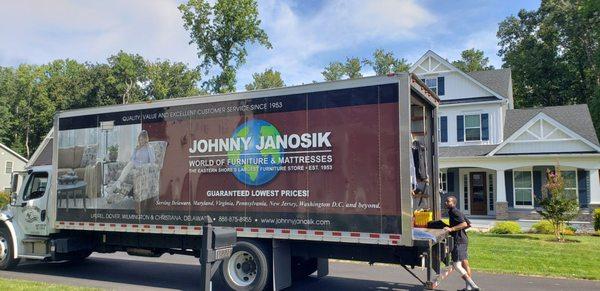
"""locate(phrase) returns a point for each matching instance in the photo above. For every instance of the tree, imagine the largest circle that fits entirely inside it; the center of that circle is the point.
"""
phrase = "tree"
(67, 83)
(384, 63)
(128, 74)
(7, 93)
(338, 70)
(352, 68)
(554, 54)
(557, 207)
(221, 32)
(31, 108)
(170, 80)
(267, 79)
(334, 71)
(473, 60)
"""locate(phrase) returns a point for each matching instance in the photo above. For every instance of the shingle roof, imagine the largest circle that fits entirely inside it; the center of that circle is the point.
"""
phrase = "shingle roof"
(466, 151)
(575, 117)
(497, 80)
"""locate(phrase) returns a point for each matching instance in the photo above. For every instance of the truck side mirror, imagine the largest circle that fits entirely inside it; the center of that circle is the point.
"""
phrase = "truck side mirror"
(14, 186)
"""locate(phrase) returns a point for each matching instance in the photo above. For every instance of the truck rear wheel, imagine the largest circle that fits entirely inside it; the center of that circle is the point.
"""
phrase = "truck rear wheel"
(7, 261)
(248, 268)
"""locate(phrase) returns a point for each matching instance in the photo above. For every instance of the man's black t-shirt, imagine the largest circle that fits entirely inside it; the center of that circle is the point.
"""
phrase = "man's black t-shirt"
(456, 218)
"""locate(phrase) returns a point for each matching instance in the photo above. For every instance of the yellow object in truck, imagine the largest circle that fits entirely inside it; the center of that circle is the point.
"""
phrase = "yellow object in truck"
(422, 218)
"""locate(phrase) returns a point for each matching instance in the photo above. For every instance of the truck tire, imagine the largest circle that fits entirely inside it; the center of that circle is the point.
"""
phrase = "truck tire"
(7, 261)
(303, 267)
(248, 268)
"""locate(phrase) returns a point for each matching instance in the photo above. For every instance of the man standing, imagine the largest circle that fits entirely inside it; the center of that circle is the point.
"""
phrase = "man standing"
(458, 224)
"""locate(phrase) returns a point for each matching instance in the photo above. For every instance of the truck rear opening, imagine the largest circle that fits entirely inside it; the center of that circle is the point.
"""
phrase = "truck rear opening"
(302, 173)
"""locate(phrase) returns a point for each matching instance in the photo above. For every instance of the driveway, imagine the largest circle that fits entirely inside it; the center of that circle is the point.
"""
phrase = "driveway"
(122, 272)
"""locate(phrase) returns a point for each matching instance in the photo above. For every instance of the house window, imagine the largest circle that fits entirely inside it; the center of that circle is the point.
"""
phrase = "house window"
(443, 128)
(432, 83)
(523, 190)
(8, 167)
(472, 127)
(444, 181)
(570, 179)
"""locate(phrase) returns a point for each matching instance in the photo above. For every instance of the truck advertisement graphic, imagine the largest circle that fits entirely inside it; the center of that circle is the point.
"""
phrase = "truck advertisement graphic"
(324, 160)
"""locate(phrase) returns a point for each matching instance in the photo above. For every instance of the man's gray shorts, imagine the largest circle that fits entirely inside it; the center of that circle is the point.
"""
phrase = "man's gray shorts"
(459, 253)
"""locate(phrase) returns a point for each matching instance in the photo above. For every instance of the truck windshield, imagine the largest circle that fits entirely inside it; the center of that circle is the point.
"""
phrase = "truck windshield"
(36, 186)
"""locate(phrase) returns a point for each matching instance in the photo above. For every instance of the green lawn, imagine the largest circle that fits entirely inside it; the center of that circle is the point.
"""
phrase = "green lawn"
(11, 284)
(533, 254)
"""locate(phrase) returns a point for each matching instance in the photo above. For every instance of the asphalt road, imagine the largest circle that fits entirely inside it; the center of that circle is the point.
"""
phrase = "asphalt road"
(122, 272)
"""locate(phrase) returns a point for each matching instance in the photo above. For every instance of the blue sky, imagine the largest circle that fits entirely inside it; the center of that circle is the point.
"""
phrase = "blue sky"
(306, 35)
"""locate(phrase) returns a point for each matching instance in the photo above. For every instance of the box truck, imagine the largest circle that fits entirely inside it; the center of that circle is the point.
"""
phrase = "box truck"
(304, 174)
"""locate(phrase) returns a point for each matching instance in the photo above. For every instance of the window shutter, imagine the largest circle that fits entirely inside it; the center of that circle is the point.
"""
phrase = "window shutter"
(444, 129)
(460, 128)
(582, 177)
(508, 180)
(485, 128)
(441, 90)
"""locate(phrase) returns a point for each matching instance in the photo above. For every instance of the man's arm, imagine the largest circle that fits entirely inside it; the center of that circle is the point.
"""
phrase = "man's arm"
(457, 227)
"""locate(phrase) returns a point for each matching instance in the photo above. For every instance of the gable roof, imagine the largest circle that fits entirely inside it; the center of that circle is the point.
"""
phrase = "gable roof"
(485, 76)
(575, 117)
(6, 148)
(497, 80)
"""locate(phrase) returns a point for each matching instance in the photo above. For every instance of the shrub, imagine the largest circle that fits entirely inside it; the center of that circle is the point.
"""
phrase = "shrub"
(4, 198)
(506, 227)
(543, 227)
(546, 227)
(569, 230)
(597, 219)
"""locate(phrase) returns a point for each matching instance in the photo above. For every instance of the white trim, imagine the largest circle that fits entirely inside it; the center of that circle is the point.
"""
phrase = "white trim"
(470, 103)
(438, 58)
(524, 169)
(552, 121)
(277, 233)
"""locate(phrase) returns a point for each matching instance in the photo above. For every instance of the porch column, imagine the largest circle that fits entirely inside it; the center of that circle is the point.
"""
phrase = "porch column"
(594, 188)
(501, 186)
(501, 204)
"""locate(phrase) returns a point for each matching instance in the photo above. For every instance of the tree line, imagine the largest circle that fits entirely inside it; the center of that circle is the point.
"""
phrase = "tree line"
(553, 52)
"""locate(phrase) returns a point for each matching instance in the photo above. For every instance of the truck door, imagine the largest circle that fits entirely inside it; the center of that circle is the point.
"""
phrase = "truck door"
(30, 212)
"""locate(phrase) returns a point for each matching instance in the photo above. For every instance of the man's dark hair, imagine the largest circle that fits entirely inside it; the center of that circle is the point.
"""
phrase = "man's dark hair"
(452, 198)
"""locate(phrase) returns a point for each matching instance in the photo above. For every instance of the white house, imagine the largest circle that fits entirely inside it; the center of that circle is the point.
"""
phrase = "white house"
(10, 162)
(493, 157)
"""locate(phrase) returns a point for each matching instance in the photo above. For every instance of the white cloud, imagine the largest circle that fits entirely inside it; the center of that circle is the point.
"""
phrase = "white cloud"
(40, 31)
(298, 39)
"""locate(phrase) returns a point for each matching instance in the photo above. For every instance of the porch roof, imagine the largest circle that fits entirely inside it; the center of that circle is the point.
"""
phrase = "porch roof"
(466, 151)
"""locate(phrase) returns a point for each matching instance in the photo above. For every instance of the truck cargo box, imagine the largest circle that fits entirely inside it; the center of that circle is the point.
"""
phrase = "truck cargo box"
(325, 161)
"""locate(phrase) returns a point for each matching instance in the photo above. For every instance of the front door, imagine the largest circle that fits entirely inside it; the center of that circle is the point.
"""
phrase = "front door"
(478, 194)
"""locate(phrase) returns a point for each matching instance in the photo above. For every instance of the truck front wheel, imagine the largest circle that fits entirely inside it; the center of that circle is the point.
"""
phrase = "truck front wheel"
(248, 268)
(7, 261)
